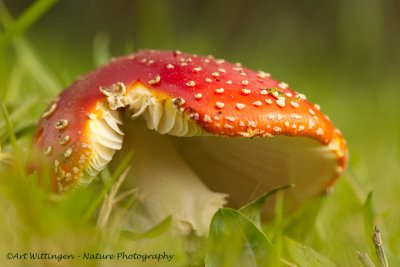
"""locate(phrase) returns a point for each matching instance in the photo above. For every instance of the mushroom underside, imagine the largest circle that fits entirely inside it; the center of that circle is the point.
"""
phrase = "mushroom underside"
(181, 170)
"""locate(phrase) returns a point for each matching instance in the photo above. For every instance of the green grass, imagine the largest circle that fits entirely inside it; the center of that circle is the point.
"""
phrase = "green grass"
(326, 231)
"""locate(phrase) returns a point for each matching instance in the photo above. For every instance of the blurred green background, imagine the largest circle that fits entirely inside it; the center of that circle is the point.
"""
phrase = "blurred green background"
(343, 54)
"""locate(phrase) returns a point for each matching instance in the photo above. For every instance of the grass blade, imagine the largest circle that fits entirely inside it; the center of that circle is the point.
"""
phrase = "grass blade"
(369, 220)
(236, 241)
(12, 88)
(101, 53)
(156, 231)
(17, 115)
(365, 259)
(301, 224)
(253, 209)
(306, 256)
(379, 248)
(279, 226)
(109, 200)
(117, 173)
(28, 58)
(13, 139)
(24, 21)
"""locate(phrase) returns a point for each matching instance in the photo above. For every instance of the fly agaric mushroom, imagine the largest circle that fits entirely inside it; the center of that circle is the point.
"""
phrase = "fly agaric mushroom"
(200, 124)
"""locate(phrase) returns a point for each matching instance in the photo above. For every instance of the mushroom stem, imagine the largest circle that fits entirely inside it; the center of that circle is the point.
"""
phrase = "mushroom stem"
(167, 185)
